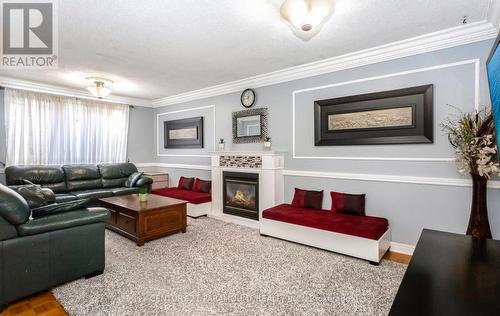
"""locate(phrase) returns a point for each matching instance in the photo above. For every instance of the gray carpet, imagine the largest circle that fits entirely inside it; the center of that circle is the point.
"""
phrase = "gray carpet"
(220, 268)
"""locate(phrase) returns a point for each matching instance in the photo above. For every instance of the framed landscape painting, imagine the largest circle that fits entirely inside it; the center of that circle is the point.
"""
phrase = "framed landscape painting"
(403, 116)
(184, 133)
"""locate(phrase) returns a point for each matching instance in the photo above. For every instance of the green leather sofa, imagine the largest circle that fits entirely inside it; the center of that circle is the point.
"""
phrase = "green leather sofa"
(75, 182)
(37, 254)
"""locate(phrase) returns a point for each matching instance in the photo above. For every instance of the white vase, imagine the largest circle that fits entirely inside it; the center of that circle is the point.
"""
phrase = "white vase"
(267, 145)
(221, 146)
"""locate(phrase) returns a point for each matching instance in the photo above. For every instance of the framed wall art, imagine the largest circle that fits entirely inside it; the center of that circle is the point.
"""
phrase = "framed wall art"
(403, 116)
(250, 126)
(184, 133)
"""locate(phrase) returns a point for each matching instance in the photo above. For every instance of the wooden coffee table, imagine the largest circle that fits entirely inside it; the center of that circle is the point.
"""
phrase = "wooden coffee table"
(145, 221)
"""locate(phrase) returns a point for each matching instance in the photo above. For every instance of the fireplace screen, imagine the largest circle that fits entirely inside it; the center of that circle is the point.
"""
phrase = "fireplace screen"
(241, 194)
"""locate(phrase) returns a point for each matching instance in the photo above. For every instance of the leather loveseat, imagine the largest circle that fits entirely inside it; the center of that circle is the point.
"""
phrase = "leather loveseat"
(76, 182)
(37, 254)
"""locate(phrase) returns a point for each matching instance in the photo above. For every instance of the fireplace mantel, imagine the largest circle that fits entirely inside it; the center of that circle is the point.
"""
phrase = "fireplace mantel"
(267, 164)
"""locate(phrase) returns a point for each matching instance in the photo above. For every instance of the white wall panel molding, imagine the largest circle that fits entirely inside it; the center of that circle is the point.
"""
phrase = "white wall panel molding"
(457, 182)
(477, 74)
(387, 178)
(181, 111)
(172, 165)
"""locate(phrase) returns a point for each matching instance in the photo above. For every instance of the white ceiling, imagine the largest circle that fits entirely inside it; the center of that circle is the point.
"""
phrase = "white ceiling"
(159, 48)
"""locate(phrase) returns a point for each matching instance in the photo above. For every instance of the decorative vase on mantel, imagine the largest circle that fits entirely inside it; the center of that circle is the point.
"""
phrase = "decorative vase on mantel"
(479, 225)
(474, 139)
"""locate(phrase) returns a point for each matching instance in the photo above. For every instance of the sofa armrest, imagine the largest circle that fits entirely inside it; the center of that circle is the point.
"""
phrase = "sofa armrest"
(144, 182)
(64, 220)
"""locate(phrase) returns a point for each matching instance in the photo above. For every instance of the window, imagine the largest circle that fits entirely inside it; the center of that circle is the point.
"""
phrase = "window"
(49, 129)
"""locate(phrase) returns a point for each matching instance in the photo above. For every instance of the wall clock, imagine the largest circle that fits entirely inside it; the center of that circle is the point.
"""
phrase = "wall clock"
(248, 98)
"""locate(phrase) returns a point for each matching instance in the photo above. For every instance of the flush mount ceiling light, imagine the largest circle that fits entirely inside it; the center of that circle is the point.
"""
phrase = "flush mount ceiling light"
(306, 17)
(98, 89)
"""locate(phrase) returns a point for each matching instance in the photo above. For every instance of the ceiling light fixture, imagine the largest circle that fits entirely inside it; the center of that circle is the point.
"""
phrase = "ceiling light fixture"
(306, 16)
(98, 89)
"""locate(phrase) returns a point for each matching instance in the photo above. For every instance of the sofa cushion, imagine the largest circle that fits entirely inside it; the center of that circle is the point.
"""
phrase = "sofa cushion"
(35, 195)
(115, 174)
(81, 172)
(82, 177)
(64, 220)
(60, 207)
(51, 177)
(13, 207)
(360, 226)
(65, 197)
(203, 186)
(133, 178)
(348, 203)
(124, 191)
(113, 183)
(308, 199)
(189, 196)
(93, 193)
(185, 183)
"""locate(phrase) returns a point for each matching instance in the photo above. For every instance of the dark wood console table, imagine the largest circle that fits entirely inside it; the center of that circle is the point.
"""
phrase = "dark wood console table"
(451, 274)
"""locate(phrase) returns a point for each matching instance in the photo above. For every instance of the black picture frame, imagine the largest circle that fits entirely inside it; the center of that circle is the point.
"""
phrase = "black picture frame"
(193, 122)
(420, 131)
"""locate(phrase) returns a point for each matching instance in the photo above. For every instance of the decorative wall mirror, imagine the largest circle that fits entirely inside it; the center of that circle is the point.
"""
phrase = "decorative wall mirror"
(250, 126)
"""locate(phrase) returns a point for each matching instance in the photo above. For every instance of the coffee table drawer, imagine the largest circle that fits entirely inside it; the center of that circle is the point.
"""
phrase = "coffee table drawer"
(126, 222)
(164, 221)
(112, 219)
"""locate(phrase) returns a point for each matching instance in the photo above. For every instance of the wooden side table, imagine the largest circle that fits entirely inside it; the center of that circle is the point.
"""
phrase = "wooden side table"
(160, 179)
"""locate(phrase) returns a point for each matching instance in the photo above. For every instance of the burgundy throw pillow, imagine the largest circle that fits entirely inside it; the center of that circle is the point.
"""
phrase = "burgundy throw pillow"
(308, 199)
(203, 186)
(185, 183)
(348, 203)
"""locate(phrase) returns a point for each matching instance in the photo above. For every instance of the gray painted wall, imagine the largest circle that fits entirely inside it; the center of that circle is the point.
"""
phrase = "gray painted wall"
(141, 127)
(409, 207)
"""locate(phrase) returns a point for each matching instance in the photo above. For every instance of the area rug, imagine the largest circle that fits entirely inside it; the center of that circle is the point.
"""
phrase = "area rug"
(221, 268)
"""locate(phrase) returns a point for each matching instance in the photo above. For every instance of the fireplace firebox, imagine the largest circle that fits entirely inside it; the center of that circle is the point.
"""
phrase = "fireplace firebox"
(241, 194)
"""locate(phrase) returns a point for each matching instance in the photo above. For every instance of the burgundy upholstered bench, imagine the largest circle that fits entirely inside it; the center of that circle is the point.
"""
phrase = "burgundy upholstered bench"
(365, 237)
(199, 203)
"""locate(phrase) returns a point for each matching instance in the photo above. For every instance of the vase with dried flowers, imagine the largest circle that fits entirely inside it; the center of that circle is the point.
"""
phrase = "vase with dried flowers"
(473, 137)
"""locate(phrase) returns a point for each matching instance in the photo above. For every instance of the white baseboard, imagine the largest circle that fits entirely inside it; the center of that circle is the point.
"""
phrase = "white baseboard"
(405, 249)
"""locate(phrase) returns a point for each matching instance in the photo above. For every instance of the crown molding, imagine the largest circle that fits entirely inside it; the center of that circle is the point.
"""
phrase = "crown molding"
(8, 82)
(494, 13)
(456, 36)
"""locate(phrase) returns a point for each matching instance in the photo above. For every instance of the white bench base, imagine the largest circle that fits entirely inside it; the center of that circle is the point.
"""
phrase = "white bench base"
(359, 247)
(198, 210)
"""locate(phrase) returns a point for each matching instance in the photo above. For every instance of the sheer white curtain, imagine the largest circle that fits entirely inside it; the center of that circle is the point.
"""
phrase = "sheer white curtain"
(49, 129)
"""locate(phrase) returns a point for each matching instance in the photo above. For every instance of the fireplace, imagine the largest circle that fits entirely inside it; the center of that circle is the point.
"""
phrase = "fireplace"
(241, 194)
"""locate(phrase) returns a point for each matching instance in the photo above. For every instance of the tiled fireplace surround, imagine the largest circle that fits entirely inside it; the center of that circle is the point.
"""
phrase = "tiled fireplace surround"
(268, 166)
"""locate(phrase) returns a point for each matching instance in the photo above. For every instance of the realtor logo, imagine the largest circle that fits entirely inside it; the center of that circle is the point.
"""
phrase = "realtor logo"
(29, 34)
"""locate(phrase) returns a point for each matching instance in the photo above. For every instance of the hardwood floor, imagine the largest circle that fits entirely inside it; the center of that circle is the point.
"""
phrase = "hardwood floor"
(397, 257)
(42, 304)
(45, 304)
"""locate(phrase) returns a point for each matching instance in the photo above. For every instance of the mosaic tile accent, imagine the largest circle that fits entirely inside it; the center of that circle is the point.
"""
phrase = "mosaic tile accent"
(240, 161)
